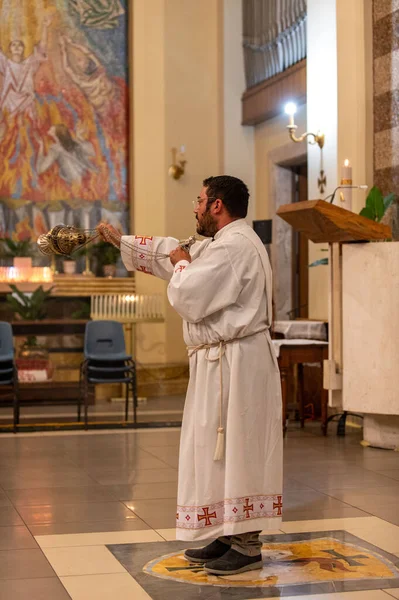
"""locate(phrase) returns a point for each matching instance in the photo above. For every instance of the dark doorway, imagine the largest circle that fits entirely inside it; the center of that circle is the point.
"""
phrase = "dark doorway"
(300, 252)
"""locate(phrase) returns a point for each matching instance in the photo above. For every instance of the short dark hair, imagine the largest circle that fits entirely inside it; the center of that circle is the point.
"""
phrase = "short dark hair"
(232, 191)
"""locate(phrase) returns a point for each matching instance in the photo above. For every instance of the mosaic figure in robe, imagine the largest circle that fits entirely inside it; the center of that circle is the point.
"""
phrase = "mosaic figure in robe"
(18, 92)
(71, 156)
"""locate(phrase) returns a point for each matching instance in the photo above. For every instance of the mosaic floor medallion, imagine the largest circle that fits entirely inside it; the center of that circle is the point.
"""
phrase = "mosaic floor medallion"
(307, 563)
(289, 563)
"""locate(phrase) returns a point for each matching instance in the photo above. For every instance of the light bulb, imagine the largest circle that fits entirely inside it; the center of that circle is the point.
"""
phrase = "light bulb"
(290, 108)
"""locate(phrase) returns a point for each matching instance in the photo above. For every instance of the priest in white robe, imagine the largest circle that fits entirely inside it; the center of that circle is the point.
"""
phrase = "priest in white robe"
(230, 467)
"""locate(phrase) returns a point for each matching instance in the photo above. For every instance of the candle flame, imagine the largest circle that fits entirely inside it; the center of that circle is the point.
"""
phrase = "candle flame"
(346, 162)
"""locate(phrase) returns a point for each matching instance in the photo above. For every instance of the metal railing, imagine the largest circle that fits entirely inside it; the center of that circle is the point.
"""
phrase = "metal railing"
(127, 308)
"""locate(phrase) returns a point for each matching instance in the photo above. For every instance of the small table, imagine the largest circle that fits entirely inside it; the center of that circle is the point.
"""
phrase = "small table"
(298, 352)
(49, 327)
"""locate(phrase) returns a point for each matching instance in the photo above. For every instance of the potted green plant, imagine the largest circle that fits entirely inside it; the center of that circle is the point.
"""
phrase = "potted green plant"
(107, 257)
(21, 252)
(30, 307)
(16, 248)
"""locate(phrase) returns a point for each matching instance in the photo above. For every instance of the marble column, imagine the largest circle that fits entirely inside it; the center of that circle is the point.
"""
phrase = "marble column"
(380, 429)
(386, 102)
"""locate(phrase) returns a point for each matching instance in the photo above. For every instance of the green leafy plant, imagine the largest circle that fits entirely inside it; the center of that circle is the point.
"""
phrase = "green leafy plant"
(376, 204)
(30, 307)
(105, 253)
(20, 248)
(83, 312)
(30, 343)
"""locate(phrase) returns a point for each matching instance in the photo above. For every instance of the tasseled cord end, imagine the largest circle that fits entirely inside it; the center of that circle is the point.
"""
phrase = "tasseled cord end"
(219, 450)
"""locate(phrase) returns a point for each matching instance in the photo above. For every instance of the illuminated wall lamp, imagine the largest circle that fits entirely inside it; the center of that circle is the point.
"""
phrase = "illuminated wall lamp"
(176, 169)
(290, 110)
(318, 138)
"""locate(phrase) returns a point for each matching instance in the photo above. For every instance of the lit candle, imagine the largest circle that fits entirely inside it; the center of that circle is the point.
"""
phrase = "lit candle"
(290, 110)
(345, 195)
(346, 173)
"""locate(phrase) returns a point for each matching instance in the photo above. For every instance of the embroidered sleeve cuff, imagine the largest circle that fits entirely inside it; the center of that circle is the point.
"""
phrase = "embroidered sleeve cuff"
(181, 265)
(136, 252)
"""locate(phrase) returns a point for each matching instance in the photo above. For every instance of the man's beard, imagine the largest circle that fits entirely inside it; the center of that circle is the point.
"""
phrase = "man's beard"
(208, 226)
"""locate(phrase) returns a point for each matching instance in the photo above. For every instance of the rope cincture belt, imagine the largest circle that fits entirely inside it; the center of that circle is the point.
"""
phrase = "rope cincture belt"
(219, 449)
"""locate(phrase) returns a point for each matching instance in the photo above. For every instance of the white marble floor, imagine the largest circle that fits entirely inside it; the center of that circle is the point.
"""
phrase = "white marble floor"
(65, 496)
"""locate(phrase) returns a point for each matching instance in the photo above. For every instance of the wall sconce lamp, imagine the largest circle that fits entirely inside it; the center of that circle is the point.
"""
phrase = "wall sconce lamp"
(176, 169)
(290, 110)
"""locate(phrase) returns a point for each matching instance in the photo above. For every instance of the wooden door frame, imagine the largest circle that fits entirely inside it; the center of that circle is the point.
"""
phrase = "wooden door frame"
(281, 159)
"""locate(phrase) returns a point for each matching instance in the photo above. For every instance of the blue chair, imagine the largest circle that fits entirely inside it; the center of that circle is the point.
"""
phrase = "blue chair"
(106, 361)
(8, 370)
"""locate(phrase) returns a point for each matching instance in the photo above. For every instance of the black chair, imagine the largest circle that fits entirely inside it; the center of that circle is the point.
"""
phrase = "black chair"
(106, 361)
(8, 369)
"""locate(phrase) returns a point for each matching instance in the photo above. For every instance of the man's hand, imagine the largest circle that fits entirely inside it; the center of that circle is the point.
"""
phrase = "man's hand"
(179, 254)
(109, 234)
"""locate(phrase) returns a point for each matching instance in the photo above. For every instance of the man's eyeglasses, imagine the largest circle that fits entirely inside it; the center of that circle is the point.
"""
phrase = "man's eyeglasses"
(199, 201)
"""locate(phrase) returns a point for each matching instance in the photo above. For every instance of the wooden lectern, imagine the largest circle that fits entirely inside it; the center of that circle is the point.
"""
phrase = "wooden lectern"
(320, 222)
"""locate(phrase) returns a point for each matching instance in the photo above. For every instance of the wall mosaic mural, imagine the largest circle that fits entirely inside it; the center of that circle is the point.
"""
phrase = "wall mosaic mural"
(63, 114)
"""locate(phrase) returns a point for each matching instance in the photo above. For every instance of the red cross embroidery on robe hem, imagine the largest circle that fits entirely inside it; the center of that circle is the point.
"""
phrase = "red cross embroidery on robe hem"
(247, 508)
(278, 505)
(207, 516)
(232, 510)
